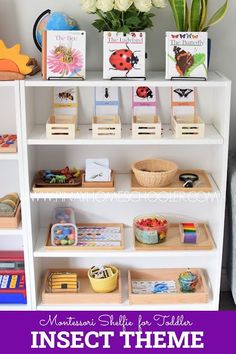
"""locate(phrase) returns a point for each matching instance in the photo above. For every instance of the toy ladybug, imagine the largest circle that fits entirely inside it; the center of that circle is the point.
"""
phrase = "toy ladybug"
(144, 92)
(123, 60)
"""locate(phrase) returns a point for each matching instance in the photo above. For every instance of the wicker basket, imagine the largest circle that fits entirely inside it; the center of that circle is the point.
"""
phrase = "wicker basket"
(154, 173)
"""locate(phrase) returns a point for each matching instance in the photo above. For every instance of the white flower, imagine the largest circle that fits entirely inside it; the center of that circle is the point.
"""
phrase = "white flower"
(123, 5)
(159, 3)
(105, 5)
(88, 5)
(143, 5)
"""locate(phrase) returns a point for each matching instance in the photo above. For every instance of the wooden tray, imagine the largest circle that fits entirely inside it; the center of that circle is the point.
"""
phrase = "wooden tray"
(99, 184)
(85, 295)
(203, 185)
(201, 295)
(50, 247)
(39, 182)
(11, 149)
(173, 241)
(11, 222)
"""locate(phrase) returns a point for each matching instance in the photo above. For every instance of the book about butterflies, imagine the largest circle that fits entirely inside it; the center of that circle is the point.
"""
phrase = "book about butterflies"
(186, 55)
(124, 55)
(64, 55)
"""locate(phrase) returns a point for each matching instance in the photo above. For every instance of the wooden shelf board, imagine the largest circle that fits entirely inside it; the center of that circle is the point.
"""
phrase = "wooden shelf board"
(128, 252)
(123, 192)
(84, 137)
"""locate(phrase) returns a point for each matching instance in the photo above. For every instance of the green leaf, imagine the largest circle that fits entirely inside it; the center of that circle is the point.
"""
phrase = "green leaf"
(124, 29)
(218, 15)
(179, 11)
(198, 59)
(132, 21)
(187, 18)
(195, 15)
(100, 25)
(204, 11)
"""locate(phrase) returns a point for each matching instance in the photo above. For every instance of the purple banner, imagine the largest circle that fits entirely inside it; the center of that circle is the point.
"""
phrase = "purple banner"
(118, 332)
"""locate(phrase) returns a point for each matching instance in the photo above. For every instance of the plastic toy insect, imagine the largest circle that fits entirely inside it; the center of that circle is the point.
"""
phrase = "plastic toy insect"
(124, 60)
(144, 92)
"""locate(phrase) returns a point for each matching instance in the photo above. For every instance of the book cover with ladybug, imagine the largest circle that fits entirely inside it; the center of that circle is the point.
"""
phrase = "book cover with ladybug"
(186, 55)
(124, 55)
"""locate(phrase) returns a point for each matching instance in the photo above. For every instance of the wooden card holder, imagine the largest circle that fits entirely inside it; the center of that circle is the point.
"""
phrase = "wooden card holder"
(84, 295)
(189, 127)
(201, 294)
(106, 127)
(109, 184)
(61, 127)
(146, 127)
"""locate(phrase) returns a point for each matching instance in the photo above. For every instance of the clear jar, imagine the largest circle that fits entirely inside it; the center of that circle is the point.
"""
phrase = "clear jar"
(64, 230)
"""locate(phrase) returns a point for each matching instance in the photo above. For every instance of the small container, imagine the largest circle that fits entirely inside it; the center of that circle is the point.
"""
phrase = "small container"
(189, 232)
(188, 282)
(64, 230)
(105, 285)
(150, 229)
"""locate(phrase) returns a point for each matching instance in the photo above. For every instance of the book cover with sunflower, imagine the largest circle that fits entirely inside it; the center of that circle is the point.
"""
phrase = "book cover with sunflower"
(64, 55)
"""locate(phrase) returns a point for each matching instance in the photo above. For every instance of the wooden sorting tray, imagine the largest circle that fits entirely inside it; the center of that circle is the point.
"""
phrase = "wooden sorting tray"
(201, 295)
(85, 295)
(173, 241)
(10, 149)
(203, 185)
(50, 247)
(85, 188)
(96, 185)
(11, 222)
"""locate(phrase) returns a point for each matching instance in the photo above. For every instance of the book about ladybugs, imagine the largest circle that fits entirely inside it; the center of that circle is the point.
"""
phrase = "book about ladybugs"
(124, 55)
(186, 55)
(64, 55)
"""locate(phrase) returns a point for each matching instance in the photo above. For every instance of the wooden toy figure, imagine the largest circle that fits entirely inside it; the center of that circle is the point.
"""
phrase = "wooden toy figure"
(13, 64)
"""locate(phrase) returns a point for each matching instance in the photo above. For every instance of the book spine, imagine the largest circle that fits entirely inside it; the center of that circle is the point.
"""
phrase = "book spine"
(44, 55)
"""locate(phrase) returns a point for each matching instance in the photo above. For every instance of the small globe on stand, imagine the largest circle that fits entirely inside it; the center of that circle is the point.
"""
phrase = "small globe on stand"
(52, 21)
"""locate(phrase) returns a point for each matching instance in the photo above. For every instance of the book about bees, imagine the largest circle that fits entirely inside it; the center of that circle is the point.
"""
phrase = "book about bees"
(64, 55)
(124, 55)
(186, 55)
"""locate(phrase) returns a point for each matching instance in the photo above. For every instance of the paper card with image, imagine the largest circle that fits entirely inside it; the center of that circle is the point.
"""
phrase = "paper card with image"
(124, 55)
(145, 101)
(65, 101)
(97, 170)
(183, 101)
(106, 101)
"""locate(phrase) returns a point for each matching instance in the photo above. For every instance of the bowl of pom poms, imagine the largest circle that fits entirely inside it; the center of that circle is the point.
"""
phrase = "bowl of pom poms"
(150, 229)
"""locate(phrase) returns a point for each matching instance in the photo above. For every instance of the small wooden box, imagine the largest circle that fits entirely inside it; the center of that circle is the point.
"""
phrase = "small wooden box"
(11, 222)
(201, 295)
(146, 126)
(106, 127)
(188, 127)
(96, 184)
(85, 294)
(61, 127)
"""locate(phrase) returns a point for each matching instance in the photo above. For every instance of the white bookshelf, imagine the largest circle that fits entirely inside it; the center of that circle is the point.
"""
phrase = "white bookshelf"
(12, 180)
(122, 206)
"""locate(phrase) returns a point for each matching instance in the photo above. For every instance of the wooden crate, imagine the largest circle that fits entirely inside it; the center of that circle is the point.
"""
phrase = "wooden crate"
(106, 127)
(201, 295)
(11, 222)
(61, 127)
(146, 127)
(188, 127)
(109, 184)
(85, 294)
(202, 185)
(173, 241)
(76, 248)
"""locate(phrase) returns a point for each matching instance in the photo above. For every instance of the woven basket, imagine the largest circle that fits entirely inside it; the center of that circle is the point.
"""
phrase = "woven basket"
(154, 173)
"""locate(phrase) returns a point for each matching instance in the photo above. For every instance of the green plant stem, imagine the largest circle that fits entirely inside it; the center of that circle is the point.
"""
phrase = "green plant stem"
(98, 12)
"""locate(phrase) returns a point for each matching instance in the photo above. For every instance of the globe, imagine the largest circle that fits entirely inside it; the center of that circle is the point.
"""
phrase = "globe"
(49, 21)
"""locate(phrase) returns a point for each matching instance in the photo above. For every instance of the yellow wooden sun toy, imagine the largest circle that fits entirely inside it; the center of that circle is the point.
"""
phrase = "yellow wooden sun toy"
(13, 64)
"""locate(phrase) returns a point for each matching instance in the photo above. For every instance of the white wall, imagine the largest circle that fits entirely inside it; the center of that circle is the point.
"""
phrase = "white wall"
(17, 18)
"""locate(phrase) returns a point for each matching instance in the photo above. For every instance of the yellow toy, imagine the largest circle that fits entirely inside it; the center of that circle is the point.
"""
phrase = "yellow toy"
(13, 64)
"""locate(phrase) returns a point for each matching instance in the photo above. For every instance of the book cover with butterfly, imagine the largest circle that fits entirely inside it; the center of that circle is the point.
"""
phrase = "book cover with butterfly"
(124, 55)
(64, 55)
(186, 55)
